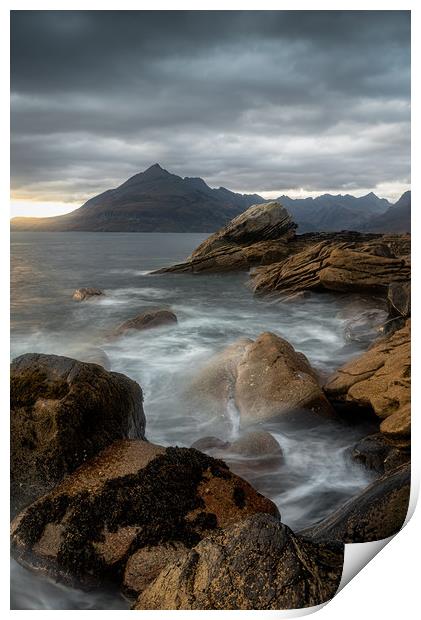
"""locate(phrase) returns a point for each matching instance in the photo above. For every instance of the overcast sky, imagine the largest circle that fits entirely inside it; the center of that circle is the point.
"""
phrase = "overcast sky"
(267, 102)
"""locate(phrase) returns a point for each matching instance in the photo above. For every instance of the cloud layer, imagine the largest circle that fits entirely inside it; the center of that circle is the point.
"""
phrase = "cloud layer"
(255, 101)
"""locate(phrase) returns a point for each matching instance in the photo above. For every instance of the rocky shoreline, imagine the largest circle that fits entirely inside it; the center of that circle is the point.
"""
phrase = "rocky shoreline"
(94, 502)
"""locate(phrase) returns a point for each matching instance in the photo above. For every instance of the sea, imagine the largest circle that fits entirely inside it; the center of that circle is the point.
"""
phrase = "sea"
(317, 474)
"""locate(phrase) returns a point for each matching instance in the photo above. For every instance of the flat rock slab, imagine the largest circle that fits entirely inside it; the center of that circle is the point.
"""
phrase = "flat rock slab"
(256, 564)
(355, 266)
(381, 380)
(63, 412)
(131, 496)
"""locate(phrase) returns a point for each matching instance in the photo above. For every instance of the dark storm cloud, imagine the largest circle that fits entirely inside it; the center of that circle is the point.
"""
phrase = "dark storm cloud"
(257, 101)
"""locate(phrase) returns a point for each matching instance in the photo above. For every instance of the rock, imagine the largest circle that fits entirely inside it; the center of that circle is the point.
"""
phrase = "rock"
(256, 444)
(365, 327)
(81, 294)
(368, 266)
(375, 452)
(376, 513)
(256, 237)
(210, 443)
(263, 379)
(63, 412)
(380, 380)
(399, 299)
(146, 564)
(256, 564)
(148, 320)
(133, 495)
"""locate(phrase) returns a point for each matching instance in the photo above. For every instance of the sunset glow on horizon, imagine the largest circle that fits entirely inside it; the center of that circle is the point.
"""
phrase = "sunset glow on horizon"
(35, 208)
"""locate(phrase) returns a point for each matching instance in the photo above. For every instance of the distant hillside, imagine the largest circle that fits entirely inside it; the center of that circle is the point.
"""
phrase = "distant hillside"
(154, 200)
(397, 218)
(157, 201)
(333, 213)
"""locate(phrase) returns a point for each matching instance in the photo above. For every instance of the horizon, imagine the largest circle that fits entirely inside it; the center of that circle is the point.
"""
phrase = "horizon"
(25, 208)
(299, 103)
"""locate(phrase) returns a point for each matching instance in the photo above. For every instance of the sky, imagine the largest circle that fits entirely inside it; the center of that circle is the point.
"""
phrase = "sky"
(285, 102)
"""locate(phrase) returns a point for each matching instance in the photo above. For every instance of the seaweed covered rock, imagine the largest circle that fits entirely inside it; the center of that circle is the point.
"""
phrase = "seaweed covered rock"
(360, 266)
(148, 320)
(263, 379)
(380, 379)
(81, 294)
(376, 513)
(131, 496)
(258, 236)
(63, 412)
(256, 564)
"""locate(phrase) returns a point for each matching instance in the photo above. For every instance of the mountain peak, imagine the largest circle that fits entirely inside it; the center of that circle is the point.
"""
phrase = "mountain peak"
(155, 169)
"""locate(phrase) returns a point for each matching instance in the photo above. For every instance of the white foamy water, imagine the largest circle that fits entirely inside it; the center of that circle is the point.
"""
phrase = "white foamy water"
(213, 311)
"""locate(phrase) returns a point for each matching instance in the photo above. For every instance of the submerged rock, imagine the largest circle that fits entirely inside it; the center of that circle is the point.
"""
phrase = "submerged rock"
(256, 237)
(375, 452)
(256, 564)
(63, 412)
(368, 266)
(93, 355)
(366, 327)
(380, 379)
(148, 320)
(81, 294)
(263, 379)
(133, 495)
(251, 451)
(376, 513)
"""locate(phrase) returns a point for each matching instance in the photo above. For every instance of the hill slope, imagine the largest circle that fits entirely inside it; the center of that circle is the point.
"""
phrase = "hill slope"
(396, 219)
(153, 200)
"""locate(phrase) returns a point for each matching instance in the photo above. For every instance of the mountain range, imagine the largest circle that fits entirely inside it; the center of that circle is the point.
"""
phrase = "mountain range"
(158, 201)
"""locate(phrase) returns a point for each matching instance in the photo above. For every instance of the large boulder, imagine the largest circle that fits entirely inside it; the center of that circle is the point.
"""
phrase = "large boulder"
(366, 266)
(263, 379)
(150, 319)
(258, 236)
(63, 412)
(399, 305)
(376, 513)
(133, 495)
(256, 564)
(380, 379)
(81, 294)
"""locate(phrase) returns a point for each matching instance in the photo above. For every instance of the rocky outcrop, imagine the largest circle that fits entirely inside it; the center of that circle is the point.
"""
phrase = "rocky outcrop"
(256, 564)
(359, 267)
(133, 495)
(399, 305)
(380, 380)
(147, 320)
(376, 513)
(258, 236)
(81, 294)
(63, 412)
(263, 379)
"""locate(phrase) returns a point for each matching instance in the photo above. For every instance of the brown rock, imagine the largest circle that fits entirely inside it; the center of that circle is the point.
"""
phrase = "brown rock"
(148, 320)
(133, 495)
(81, 294)
(256, 237)
(376, 513)
(264, 378)
(146, 564)
(368, 266)
(380, 380)
(63, 412)
(256, 564)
